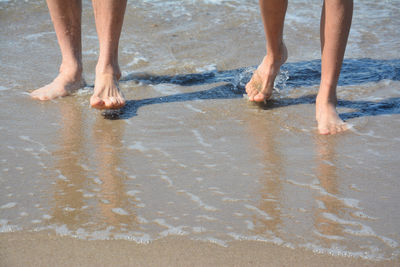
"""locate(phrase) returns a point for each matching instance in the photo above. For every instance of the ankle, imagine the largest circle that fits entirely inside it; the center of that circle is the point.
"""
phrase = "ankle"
(276, 56)
(326, 95)
(325, 101)
(71, 71)
(108, 69)
(273, 60)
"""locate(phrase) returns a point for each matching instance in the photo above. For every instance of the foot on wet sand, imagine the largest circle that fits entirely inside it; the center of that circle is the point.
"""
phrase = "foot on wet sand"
(328, 119)
(62, 85)
(259, 88)
(107, 94)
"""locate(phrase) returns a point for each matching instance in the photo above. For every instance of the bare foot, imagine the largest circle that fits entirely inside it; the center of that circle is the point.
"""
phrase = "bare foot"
(328, 119)
(107, 94)
(259, 88)
(62, 85)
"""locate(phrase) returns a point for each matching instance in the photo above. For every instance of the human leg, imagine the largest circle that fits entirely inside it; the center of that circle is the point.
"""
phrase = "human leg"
(109, 16)
(261, 84)
(335, 26)
(66, 17)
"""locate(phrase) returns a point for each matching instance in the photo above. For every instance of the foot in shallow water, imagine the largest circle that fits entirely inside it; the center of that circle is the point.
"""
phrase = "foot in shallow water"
(62, 85)
(259, 88)
(107, 94)
(328, 119)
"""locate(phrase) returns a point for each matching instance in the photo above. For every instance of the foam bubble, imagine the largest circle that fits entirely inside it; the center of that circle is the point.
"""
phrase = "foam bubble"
(138, 146)
(260, 212)
(120, 211)
(8, 205)
(197, 200)
(133, 193)
(200, 139)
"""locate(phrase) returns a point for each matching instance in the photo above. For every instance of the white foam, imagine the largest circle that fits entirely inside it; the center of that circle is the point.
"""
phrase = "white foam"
(211, 166)
(98, 181)
(199, 229)
(166, 89)
(199, 202)
(207, 68)
(62, 230)
(28, 139)
(260, 212)
(84, 91)
(140, 238)
(62, 177)
(120, 211)
(273, 240)
(330, 237)
(390, 242)
(84, 166)
(213, 240)
(364, 230)
(136, 60)
(36, 36)
(88, 195)
(133, 193)
(69, 209)
(206, 217)
(348, 202)
(362, 215)
(250, 224)
(190, 107)
(5, 227)
(8, 205)
(200, 139)
(138, 146)
(142, 220)
(172, 230)
(167, 179)
(230, 199)
(340, 251)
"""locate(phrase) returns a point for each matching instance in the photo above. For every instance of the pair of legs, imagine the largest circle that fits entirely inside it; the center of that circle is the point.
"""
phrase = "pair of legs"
(335, 26)
(66, 17)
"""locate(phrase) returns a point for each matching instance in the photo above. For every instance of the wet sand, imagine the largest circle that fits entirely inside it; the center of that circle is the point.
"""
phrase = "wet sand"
(34, 249)
(189, 163)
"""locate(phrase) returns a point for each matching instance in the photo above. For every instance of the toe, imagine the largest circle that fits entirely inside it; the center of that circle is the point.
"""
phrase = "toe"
(109, 103)
(252, 93)
(97, 102)
(121, 102)
(248, 88)
(342, 127)
(323, 131)
(44, 97)
(260, 97)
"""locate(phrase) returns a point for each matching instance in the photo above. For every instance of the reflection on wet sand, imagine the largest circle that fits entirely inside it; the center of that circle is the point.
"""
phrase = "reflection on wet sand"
(117, 208)
(70, 158)
(87, 196)
(264, 133)
(326, 173)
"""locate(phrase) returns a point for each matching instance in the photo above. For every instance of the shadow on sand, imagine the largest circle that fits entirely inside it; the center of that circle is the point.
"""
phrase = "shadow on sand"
(294, 75)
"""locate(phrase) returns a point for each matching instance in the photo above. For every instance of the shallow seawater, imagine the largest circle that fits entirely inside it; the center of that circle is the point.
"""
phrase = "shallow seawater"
(188, 155)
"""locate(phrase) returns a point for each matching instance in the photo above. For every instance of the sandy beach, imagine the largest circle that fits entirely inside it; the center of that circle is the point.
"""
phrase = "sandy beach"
(189, 173)
(34, 249)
